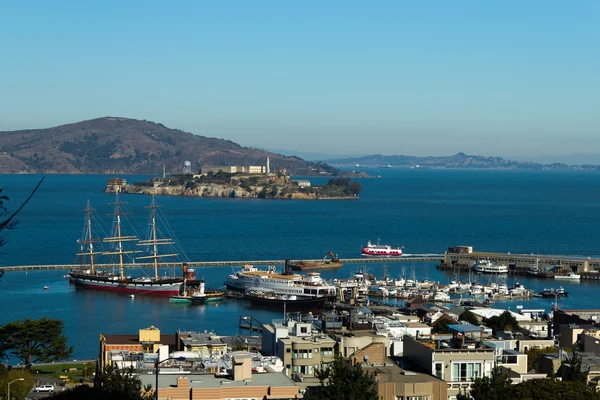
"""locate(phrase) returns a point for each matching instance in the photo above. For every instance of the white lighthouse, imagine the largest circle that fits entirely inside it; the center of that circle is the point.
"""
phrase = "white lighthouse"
(268, 166)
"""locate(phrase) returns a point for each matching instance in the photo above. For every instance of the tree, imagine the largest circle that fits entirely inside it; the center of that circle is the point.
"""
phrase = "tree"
(18, 389)
(498, 386)
(11, 222)
(469, 317)
(441, 325)
(342, 381)
(573, 371)
(112, 384)
(552, 389)
(504, 322)
(535, 354)
(35, 340)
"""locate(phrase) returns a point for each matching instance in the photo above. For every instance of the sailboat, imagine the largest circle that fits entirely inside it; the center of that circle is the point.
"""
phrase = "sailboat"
(90, 277)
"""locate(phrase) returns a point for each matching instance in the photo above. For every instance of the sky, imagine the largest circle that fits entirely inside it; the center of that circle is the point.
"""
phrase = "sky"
(517, 78)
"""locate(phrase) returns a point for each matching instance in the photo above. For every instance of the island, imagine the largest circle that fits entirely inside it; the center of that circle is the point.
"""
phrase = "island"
(243, 185)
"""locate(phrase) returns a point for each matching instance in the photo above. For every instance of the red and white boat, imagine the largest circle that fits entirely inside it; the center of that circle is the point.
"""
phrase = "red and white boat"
(381, 250)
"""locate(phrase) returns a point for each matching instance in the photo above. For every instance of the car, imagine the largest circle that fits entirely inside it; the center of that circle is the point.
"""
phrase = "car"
(44, 388)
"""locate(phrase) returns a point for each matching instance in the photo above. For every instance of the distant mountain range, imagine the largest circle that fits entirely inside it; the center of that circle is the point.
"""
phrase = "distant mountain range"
(128, 146)
(460, 160)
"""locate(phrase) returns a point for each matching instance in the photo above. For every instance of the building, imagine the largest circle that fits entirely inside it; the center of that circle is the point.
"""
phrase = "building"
(351, 343)
(235, 169)
(237, 381)
(457, 361)
(395, 383)
(204, 344)
(300, 346)
(129, 350)
(303, 183)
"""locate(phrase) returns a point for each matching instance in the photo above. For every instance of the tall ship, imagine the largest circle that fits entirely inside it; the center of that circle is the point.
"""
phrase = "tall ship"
(284, 283)
(486, 266)
(91, 277)
(381, 250)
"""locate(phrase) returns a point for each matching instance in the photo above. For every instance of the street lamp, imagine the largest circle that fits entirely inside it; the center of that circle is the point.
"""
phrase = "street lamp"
(11, 382)
(156, 364)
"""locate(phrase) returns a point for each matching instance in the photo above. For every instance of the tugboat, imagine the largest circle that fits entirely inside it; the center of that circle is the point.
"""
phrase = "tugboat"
(380, 250)
(197, 296)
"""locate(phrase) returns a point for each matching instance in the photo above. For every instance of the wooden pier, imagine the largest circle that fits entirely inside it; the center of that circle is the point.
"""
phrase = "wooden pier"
(249, 323)
(201, 264)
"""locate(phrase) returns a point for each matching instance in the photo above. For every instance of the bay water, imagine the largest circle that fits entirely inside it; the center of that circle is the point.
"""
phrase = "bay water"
(542, 212)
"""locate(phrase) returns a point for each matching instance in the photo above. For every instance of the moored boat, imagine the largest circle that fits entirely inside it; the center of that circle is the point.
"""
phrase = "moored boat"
(569, 275)
(486, 266)
(91, 278)
(552, 293)
(269, 298)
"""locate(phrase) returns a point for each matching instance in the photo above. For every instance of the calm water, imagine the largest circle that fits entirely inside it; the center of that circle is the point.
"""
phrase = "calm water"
(424, 210)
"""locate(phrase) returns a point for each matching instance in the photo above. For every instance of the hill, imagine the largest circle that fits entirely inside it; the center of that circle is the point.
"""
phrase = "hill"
(121, 145)
(460, 160)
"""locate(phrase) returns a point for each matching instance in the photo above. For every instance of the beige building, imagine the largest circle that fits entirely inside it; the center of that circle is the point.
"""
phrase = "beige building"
(123, 350)
(349, 343)
(455, 363)
(203, 344)
(237, 383)
(394, 383)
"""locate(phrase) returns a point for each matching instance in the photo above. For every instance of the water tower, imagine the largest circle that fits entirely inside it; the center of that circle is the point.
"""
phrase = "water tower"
(187, 168)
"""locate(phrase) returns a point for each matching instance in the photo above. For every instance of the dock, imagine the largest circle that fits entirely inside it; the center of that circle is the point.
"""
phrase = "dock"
(201, 264)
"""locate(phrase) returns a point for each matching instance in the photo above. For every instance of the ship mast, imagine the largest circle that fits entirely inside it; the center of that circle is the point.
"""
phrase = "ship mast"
(88, 239)
(119, 238)
(154, 240)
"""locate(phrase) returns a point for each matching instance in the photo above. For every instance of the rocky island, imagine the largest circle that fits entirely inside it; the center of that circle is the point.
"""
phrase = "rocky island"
(277, 185)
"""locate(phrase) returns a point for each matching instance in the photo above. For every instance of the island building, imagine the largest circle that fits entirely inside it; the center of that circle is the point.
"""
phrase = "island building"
(234, 169)
(303, 183)
(115, 184)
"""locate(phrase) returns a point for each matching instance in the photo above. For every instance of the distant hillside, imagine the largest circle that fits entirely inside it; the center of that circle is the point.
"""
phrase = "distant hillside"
(460, 160)
(121, 145)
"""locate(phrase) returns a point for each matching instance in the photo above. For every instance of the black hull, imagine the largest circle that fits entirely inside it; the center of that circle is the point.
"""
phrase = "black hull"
(313, 303)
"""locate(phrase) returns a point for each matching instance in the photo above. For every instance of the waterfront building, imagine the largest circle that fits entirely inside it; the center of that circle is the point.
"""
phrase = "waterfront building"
(303, 183)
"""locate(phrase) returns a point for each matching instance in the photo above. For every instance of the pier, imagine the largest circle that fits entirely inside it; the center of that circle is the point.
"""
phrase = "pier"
(200, 264)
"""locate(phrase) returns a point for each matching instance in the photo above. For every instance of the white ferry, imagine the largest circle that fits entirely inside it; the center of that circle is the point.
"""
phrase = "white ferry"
(309, 285)
(486, 266)
(381, 250)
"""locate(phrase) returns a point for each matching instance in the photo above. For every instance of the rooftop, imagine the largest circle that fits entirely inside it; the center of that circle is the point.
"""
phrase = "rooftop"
(399, 375)
(275, 379)
(466, 328)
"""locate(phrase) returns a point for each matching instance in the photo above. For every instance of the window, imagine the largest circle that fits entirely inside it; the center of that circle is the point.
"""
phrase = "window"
(288, 350)
(466, 371)
(303, 329)
(326, 351)
(439, 370)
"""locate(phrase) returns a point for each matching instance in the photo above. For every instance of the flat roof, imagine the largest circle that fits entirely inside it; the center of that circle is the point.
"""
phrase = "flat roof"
(399, 375)
(465, 328)
(274, 379)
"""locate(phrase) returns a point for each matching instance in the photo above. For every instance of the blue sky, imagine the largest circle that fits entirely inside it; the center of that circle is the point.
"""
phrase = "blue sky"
(346, 77)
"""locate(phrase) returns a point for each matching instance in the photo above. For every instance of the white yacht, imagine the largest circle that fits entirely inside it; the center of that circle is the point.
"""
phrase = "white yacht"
(309, 285)
(485, 266)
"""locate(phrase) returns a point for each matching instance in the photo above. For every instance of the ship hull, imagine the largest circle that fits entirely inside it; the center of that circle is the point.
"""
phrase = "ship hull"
(381, 253)
(314, 303)
(161, 288)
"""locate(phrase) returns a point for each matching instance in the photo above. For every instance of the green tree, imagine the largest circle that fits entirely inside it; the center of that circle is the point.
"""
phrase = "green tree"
(573, 371)
(498, 386)
(535, 354)
(552, 389)
(342, 381)
(441, 326)
(18, 389)
(32, 340)
(112, 384)
(504, 322)
(469, 317)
